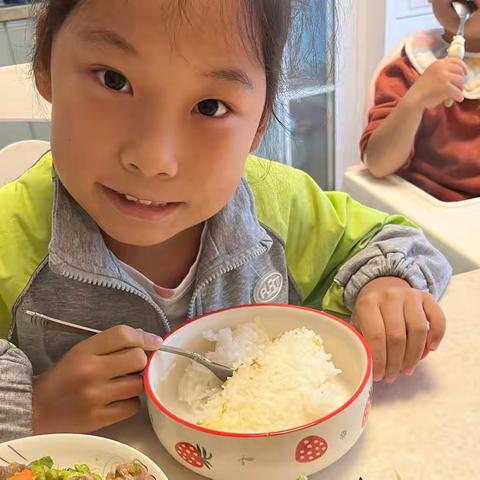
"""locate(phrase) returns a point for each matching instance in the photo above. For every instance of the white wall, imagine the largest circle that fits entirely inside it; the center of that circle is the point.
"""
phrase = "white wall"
(404, 17)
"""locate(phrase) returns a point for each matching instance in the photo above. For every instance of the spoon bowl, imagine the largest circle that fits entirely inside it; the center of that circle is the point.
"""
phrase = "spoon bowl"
(463, 11)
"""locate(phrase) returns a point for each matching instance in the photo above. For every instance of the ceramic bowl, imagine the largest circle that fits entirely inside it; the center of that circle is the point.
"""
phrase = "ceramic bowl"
(302, 450)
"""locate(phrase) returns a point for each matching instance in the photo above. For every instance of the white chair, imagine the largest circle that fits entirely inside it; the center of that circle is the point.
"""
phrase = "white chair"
(20, 98)
(18, 157)
(453, 227)
(20, 102)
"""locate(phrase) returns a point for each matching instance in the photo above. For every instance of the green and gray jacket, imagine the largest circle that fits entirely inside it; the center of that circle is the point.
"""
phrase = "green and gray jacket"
(279, 239)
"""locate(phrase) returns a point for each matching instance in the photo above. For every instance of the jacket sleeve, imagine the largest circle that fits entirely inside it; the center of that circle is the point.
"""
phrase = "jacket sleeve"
(15, 393)
(334, 245)
(367, 244)
(398, 251)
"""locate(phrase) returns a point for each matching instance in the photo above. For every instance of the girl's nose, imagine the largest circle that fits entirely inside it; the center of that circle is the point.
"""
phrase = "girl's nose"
(151, 151)
(150, 162)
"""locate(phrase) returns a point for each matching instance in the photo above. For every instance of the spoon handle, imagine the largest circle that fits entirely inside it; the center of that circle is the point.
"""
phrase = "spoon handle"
(46, 322)
(456, 50)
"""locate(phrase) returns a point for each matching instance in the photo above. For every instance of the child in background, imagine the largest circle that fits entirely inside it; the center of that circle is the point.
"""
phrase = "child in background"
(411, 132)
(149, 211)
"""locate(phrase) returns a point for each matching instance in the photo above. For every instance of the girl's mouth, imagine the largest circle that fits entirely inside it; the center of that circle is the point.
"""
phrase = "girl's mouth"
(137, 207)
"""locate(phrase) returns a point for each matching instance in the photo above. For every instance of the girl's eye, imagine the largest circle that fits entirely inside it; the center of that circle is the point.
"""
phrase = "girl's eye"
(211, 108)
(113, 80)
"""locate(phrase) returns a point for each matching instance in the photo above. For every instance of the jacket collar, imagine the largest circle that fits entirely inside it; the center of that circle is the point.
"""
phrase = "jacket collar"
(77, 246)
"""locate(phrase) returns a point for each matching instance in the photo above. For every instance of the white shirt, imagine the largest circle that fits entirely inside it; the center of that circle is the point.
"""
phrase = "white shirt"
(173, 301)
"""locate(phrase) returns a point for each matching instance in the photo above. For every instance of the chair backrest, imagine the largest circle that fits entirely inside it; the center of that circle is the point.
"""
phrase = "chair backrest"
(18, 157)
(21, 100)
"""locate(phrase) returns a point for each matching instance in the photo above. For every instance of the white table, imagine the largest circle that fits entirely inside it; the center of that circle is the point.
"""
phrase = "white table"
(426, 427)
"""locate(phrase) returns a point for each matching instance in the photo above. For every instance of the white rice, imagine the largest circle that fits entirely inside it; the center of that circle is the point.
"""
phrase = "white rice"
(278, 384)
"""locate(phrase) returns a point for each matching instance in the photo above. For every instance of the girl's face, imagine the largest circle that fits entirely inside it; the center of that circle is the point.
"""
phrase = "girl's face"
(152, 104)
(449, 20)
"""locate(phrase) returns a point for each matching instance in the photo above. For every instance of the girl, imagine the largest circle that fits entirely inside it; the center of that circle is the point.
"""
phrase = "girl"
(149, 211)
(410, 131)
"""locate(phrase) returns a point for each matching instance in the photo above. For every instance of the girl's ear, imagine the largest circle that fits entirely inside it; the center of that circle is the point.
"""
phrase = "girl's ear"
(44, 84)
(262, 128)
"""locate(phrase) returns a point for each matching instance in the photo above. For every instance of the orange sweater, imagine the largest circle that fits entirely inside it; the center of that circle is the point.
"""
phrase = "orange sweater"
(445, 160)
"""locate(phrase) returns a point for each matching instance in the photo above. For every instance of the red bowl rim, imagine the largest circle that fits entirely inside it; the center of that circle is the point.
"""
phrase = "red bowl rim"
(186, 423)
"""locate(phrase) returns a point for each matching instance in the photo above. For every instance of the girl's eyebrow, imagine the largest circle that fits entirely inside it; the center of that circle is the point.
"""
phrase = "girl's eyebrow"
(109, 37)
(232, 75)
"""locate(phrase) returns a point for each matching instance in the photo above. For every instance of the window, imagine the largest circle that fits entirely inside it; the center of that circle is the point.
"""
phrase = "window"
(305, 136)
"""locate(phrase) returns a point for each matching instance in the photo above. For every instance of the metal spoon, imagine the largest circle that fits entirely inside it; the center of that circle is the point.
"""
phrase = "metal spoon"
(43, 321)
(457, 47)
(464, 12)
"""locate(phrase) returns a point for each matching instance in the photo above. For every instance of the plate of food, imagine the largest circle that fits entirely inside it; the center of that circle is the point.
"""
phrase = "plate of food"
(74, 456)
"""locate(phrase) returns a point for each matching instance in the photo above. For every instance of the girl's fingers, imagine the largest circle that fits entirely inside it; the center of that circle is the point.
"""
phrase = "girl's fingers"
(426, 351)
(436, 319)
(396, 336)
(457, 81)
(117, 411)
(119, 338)
(456, 94)
(458, 64)
(370, 323)
(417, 329)
(124, 362)
(123, 388)
(457, 70)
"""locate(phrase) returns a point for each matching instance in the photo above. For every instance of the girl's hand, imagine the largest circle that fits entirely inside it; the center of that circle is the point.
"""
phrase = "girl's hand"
(442, 80)
(96, 384)
(401, 325)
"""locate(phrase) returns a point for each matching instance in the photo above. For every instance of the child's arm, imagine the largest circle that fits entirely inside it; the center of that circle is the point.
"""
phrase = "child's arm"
(391, 144)
(389, 283)
(15, 393)
(94, 385)
(391, 286)
(401, 324)
(343, 256)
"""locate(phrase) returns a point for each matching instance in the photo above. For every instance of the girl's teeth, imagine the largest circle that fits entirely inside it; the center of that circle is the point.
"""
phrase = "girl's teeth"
(144, 202)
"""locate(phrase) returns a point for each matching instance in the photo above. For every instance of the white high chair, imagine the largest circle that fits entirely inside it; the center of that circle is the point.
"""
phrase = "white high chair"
(20, 102)
(453, 227)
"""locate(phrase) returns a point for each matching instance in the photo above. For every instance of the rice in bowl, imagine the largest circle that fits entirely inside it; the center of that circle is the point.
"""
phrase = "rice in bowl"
(278, 384)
